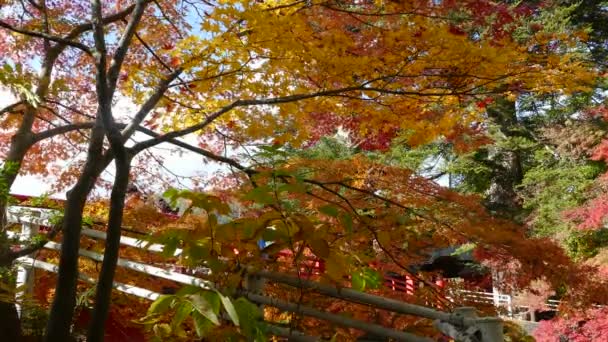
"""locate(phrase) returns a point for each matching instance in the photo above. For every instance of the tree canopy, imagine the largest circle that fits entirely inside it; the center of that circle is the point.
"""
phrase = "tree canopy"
(507, 98)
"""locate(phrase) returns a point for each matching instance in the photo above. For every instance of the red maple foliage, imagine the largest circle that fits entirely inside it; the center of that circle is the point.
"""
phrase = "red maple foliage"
(582, 327)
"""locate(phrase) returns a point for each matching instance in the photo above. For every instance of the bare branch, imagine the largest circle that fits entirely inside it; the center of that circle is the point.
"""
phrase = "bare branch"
(70, 108)
(49, 133)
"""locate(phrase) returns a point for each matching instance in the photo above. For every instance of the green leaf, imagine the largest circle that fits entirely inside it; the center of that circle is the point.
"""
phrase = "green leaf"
(373, 279)
(201, 324)
(171, 194)
(335, 269)
(249, 314)
(201, 303)
(170, 243)
(329, 210)
(147, 320)
(87, 221)
(161, 304)
(358, 281)
(198, 251)
(182, 311)
(269, 234)
(229, 307)
(187, 290)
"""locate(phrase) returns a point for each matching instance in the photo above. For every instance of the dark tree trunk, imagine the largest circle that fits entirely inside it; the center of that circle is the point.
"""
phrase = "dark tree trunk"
(110, 256)
(10, 324)
(106, 80)
(62, 309)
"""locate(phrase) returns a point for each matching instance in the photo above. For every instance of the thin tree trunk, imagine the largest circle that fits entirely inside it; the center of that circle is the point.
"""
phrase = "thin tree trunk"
(62, 309)
(110, 256)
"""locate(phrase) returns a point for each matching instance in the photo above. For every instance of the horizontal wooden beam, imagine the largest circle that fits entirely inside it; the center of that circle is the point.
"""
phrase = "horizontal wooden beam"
(340, 320)
(368, 299)
(125, 288)
(143, 268)
(129, 241)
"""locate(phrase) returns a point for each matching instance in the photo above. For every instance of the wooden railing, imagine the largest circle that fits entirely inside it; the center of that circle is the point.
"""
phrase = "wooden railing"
(462, 322)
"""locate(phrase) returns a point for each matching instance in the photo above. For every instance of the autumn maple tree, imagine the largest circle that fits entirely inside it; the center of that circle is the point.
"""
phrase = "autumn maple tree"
(240, 72)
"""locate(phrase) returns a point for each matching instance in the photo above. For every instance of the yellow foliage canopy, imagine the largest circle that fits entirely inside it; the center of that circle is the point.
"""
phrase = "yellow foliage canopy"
(397, 64)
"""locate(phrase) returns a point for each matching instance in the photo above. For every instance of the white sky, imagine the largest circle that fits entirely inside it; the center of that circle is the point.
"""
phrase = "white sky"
(186, 164)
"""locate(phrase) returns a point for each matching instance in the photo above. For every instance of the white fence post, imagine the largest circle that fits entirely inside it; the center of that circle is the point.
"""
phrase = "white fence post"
(496, 280)
(25, 280)
(510, 306)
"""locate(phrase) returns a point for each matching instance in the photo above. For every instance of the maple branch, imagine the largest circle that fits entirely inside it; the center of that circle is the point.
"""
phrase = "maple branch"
(240, 103)
(181, 104)
(164, 15)
(160, 60)
(208, 78)
(124, 43)
(249, 171)
(82, 28)
(56, 39)
(10, 108)
(45, 21)
(375, 233)
(61, 130)
(149, 104)
(151, 51)
(70, 108)
(279, 7)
